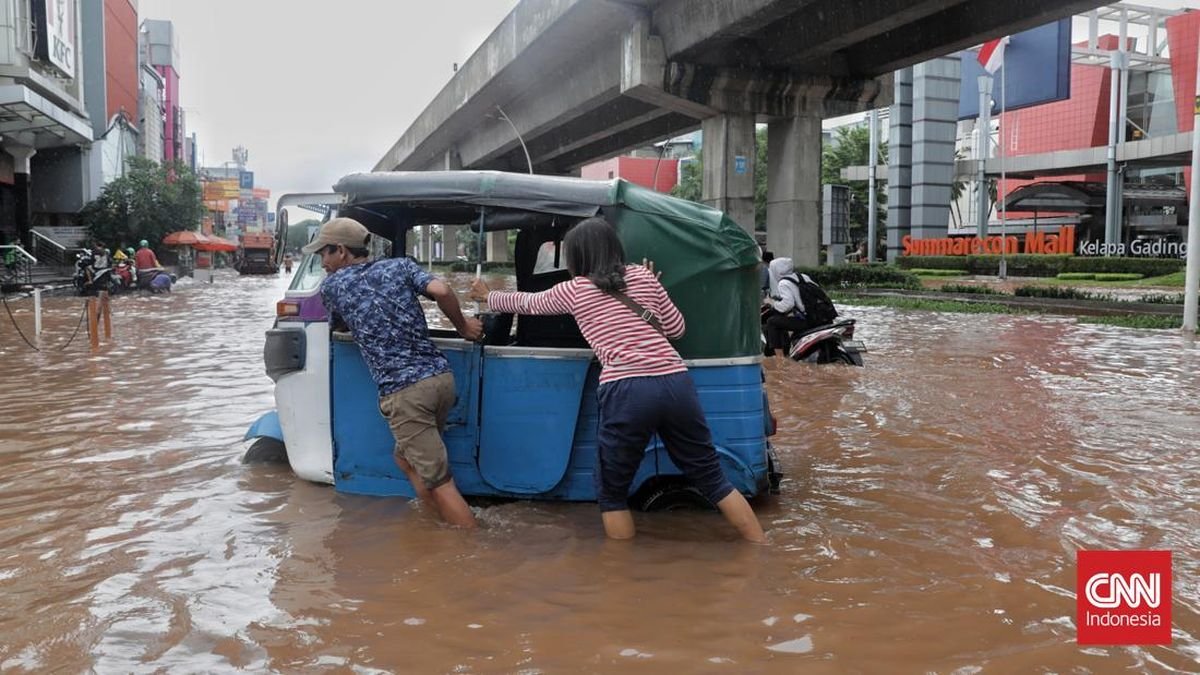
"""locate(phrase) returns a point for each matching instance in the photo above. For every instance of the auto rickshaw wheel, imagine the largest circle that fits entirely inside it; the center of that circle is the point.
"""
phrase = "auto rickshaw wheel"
(670, 494)
(266, 450)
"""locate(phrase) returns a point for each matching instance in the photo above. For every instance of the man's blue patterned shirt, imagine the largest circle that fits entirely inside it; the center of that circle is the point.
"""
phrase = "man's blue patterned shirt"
(378, 301)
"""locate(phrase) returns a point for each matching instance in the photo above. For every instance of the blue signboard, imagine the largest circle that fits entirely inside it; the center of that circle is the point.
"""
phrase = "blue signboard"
(1038, 62)
(739, 164)
(246, 180)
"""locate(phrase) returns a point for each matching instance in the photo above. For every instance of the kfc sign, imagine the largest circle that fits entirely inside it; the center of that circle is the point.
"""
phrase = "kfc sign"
(56, 33)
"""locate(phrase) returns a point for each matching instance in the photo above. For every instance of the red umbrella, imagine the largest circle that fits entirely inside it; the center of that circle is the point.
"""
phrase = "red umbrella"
(184, 238)
(216, 243)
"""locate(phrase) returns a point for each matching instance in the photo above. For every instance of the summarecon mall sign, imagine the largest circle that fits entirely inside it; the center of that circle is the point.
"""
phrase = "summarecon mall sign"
(1060, 242)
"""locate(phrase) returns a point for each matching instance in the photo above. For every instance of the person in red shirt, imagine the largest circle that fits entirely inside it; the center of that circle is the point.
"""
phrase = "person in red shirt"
(145, 258)
(644, 388)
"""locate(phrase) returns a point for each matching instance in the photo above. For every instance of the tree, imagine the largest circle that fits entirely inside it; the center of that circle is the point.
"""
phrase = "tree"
(760, 179)
(691, 179)
(297, 233)
(148, 202)
(851, 147)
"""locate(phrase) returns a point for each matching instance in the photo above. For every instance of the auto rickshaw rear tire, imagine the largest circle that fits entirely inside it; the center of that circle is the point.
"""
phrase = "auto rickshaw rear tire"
(266, 450)
(670, 494)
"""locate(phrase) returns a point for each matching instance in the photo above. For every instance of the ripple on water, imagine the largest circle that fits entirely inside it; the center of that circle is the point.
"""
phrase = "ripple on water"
(970, 452)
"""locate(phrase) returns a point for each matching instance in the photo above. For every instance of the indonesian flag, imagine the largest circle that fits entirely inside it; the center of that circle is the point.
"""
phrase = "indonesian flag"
(991, 54)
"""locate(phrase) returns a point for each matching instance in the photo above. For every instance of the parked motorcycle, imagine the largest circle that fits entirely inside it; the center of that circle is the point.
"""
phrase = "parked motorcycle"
(123, 272)
(830, 343)
(90, 280)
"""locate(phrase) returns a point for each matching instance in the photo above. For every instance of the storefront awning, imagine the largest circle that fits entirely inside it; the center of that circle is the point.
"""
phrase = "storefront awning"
(1056, 197)
(23, 110)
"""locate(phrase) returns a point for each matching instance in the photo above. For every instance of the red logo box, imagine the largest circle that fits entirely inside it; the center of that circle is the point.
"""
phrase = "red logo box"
(1123, 597)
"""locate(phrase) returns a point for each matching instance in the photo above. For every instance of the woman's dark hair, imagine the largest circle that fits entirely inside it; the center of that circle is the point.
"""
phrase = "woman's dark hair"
(593, 250)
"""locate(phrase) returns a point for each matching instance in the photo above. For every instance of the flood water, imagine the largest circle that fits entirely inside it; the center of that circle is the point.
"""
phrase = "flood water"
(933, 505)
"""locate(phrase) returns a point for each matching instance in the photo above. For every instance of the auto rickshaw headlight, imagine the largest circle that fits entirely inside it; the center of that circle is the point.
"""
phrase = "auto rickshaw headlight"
(287, 308)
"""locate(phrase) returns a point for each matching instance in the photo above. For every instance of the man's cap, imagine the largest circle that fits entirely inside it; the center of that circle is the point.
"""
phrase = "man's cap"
(345, 231)
(143, 243)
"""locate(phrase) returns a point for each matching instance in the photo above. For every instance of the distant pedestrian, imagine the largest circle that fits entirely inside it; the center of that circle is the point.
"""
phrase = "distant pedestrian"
(645, 388)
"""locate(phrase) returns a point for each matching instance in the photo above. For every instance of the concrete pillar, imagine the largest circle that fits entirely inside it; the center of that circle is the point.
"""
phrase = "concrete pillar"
(450, 241)
(728, 182)
(794, 188)
(936, 86)
(899, 203)
(497, 246)
(411, 237)
(426, 255)
(22, 216)
(452, 162)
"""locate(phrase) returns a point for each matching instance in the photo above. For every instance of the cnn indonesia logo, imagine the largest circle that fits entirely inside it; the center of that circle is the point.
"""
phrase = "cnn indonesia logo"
(1123, 597)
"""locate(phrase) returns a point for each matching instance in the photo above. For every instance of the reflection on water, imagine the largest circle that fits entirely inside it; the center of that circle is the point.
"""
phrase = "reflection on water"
(932, 507)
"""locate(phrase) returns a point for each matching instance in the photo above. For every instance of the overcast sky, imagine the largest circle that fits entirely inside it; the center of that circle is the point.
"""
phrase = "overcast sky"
(315, 89)
(318, 89)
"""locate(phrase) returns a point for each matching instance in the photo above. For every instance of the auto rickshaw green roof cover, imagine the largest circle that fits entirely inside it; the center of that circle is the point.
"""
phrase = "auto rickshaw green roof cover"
(709, 264)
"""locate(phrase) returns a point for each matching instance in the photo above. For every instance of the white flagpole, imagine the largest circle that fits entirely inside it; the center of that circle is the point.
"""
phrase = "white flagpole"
(1003, 169)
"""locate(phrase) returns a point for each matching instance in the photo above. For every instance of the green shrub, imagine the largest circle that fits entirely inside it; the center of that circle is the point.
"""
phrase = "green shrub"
(1162, 298)
(1117, 276)
(1026, 265)
(1059, 293)
(1076, 276)
(970, 288)
(1018, 265)
(1148, 267)
(937, 273)
(1136, 321)
(931, 262)
(876, 275)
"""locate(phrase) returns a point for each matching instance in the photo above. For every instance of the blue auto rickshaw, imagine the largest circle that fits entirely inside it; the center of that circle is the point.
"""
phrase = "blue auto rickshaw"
(524, 425)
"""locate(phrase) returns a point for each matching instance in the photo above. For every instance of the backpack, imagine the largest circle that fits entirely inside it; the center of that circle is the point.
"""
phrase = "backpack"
(817, 305)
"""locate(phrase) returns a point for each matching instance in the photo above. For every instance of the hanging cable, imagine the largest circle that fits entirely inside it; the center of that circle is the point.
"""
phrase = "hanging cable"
(33, 346)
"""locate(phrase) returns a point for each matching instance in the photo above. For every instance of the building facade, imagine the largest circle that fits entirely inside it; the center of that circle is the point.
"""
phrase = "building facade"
(161, 52)
(44, 125)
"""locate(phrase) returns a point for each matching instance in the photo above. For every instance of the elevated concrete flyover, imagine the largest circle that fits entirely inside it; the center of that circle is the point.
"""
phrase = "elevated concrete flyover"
(582, 80)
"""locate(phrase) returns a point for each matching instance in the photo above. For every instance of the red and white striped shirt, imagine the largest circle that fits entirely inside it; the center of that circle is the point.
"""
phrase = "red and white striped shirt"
(626, 345)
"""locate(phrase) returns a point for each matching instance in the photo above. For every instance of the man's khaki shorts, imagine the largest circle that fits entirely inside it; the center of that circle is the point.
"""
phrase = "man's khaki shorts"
(417, 416)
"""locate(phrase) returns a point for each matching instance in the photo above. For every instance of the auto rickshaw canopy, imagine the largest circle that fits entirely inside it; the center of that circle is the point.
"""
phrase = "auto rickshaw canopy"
(709, 263)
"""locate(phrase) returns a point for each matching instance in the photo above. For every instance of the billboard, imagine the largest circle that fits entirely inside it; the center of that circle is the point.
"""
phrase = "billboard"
(246, 180)
(221, 189)
(1038, 62)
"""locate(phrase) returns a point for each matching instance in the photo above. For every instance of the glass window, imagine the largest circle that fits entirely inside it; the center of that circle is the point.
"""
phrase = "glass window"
(310, 274)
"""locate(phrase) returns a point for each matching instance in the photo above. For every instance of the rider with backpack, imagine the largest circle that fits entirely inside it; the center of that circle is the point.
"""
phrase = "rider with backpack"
(796, 304)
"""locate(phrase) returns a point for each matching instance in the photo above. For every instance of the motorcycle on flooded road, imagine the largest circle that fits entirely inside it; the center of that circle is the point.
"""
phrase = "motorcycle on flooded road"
(831, 343)
(89, 279)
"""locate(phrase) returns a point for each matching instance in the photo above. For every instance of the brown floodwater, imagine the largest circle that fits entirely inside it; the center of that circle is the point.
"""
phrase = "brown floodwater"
(933, 504)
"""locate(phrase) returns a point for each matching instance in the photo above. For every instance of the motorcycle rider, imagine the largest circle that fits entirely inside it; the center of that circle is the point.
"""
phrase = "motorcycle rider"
(784, 311)
(146, 263)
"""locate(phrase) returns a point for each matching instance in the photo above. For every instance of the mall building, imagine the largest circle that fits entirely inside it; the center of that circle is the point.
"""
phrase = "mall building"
(1125, 68)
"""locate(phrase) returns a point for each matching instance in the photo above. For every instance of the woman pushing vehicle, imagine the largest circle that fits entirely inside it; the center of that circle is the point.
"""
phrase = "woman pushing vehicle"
(627, 319)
